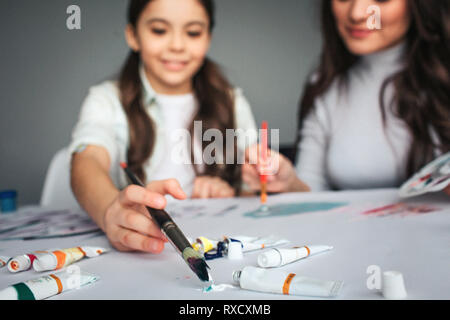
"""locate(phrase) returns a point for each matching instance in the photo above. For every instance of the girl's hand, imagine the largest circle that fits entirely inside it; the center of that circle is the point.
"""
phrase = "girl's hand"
(127, 222)
(281, 175)
(211, 187)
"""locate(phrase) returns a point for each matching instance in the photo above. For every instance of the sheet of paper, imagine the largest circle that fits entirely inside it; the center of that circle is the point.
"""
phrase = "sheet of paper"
(416, 245)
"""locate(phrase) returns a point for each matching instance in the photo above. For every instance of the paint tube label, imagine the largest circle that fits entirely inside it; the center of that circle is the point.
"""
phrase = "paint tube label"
(46, 286)
(71, 255)
(93, 251)
(280, 257)
(57, 259)
(275, 281)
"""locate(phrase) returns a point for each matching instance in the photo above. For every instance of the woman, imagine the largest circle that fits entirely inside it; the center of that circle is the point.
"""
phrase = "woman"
(378, 107)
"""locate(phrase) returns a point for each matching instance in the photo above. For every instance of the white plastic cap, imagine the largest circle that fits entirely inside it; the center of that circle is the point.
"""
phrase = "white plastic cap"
(271, 258)
(393, 285)
(235, 251)
(237, 276)
(19, 263)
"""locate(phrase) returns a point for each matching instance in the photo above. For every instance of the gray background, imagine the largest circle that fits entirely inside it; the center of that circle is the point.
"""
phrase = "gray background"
(266, 47)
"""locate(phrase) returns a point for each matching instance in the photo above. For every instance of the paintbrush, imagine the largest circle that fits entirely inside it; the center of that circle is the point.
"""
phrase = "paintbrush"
(194, 259)
(263, 177)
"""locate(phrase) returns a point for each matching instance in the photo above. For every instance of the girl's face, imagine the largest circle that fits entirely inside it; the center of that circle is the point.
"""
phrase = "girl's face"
(369, 26)
(173, 38)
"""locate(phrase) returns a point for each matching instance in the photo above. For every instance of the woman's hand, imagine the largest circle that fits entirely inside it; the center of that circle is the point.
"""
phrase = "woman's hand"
(281, 175)
(211, 187)
(127, 223)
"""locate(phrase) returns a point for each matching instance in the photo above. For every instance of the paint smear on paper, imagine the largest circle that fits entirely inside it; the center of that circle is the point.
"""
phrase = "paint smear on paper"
(218, 288)
(401, 209)
(281, 210)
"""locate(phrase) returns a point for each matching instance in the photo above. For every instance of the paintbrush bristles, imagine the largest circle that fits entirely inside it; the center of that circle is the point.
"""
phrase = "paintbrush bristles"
(197, 263)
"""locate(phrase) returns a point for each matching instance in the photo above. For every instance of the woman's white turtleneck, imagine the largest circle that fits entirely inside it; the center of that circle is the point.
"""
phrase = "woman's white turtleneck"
(345, 144)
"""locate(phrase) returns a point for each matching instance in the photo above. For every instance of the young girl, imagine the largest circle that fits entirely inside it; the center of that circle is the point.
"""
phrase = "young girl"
(165, 85)
(378, 107)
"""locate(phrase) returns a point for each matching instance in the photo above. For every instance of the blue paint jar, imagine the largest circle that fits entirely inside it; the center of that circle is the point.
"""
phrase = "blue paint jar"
(8, 201)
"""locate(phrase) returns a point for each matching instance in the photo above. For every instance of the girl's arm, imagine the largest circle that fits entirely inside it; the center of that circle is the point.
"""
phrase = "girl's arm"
(91, 183)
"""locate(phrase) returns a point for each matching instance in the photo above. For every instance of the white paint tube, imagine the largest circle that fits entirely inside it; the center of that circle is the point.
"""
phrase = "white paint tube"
(254, 243)
(279, 257)
(276, 281)
(23, 262)
(3, 261)
(61, 258)
(47, 286)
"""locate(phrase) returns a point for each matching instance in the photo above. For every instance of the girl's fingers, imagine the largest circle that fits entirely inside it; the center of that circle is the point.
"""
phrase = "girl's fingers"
(141, 223)
(136, 241)
(204, 191)
(134, 194)
(196, 188)
(170, 186)
(220, 189)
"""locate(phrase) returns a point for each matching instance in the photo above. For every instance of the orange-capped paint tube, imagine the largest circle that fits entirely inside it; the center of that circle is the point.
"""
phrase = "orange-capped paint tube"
(276, 257)
(61, 258)
(23, 262)
(47, 286)
(281, 282)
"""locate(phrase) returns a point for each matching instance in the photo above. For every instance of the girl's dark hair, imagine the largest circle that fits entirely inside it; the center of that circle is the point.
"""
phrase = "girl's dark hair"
(422, 87)
(212, 91)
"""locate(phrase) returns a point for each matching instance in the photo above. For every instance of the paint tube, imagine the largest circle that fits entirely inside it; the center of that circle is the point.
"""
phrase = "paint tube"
(3, 261)
(23, 262)
(279, 257)
(61, 258)
(220, 248)
(204, 245)
(254, 243)
(47, 286)
(276, 281)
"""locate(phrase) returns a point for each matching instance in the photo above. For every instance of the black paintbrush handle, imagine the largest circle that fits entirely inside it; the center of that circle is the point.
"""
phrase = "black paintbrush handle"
(169, 228)
(163, 220)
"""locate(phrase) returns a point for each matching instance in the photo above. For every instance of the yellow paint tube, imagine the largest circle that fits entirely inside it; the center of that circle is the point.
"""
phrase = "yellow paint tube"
(61, 258)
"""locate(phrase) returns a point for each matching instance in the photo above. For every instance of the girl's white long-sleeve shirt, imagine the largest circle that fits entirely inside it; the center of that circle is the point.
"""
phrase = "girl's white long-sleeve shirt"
(103, 122)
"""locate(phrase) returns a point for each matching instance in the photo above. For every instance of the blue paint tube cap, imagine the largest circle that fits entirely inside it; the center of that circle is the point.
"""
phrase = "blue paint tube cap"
(8, 200)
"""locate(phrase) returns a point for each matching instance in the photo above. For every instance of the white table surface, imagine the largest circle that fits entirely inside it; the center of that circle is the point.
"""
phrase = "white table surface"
(416, 245)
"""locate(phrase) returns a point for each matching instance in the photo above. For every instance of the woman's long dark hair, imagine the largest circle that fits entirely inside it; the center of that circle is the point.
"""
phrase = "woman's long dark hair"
(422, 88)
(212, 91)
